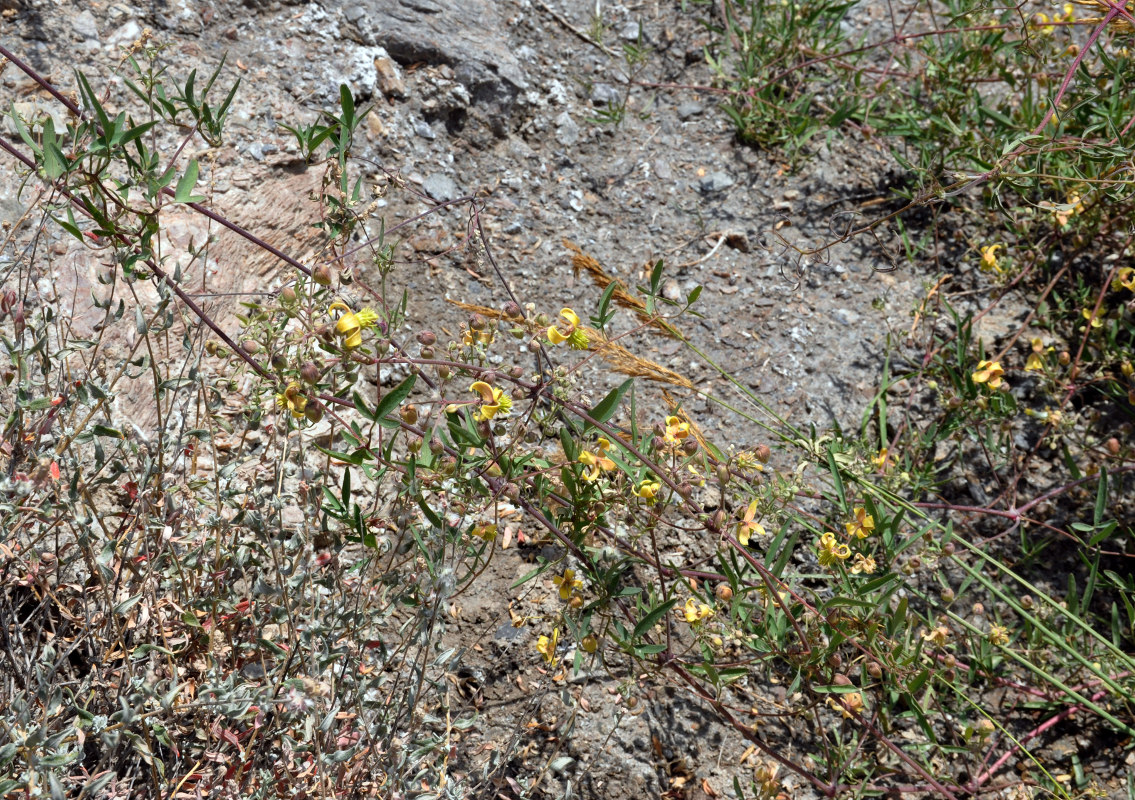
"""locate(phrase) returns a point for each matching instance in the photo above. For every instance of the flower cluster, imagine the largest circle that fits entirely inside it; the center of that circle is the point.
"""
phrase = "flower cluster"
(832, 552)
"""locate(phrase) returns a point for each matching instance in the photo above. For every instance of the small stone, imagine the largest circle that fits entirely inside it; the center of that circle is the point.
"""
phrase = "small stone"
(85, 26)
(604, 94)
(567, 130)
(260, 149)
(690, 108)
(441, 187)
(126, 34)
(792, 194)
(354, 13)
(716, 182)
(389, 77)
(631, 32)
(422, 128)
(662, 169)
(845, 316)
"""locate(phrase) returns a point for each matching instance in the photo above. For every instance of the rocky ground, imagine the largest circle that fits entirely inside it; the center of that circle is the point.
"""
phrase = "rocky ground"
(510, 101)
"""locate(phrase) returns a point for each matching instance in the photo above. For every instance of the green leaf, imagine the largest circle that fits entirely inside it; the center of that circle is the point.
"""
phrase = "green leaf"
(103, 430)
(184, 191)
(394, 397)
(647, 622)
(605, 408)
(656, 278)
(1101, 498)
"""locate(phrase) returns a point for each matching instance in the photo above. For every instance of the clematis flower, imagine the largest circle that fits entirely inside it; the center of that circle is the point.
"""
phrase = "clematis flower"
(494, 402)
(1095, 320)
(862, 526)
(1035, 362)
(676, 431)
(350, 325)
(568, 331)
(1040, 20)
(694, 612)
(998, 635)
(597, 462)
(1124, 279)
(546, 645)
(648, 491)
(293, 400)
(938, 636)
(864, 565)
(831, 552)
(847, 704)
(989, 258)
(746, 527)
(567, 583)
(988, 372)
(880, 460)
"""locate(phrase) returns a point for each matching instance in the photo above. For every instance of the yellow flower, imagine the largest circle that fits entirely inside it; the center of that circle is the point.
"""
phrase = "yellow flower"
(747, 526)
(1125, 279)
(1094, 319)
(648, 490)
(1041, 21)
(694, 612)
(494, 401)
(486, 531)
(831, 552)
(938, 636)
(292, 400)
(567, 583)
(676, 431)
(880, 461)
(546, 645)
(998, 635)
(989, 372)
(863, 565)
(350, 325)
(1036, 357)
(569, 331)
(847, 704)
(597, 462)
(1077, 207)
(989, 258)
(863, 525)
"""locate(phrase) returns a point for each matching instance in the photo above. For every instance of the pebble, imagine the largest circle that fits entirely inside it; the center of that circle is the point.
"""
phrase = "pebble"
(662, 169)
(716, 182)
(441, 187)
(126, 34)
(85, 26)
(845, 315)
(690, 108)
(422, 128)
(389, 77)
(567, 130)
(604, 94)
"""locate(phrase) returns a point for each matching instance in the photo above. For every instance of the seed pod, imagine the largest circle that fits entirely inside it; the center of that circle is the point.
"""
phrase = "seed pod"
(427, 338)
(589, 643)
(477, 322)
(690, 446)
(516, 373)
(948, 549)
(322, 275)
(427, 352)
(279, 361)
(841, 680)
(724, 592)
(874, 669)
(250, 346)
(288, 296)
(722, 474)
(313, 412)
(763, 453)
(310, 372)
(1065, 358)
(409, 414)
(1112, 446)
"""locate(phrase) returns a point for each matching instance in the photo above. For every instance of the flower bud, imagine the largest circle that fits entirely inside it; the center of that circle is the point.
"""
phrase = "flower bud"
(1112, 446)
(589, 644)
(949, 548)
(1065, 358)
(288, 296)
(250, 346)
(443, 372)
(427, 338)
(279, 361)
(835, 661)
(322, 275)
(717, 522)
(722, 474)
